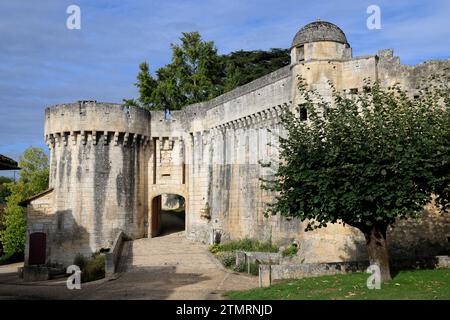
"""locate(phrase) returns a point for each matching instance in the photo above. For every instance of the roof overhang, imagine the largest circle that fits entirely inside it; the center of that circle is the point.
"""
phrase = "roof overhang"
(25, 202)
(8, 163)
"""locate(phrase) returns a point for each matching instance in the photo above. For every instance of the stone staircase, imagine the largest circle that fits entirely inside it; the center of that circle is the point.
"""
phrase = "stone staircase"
(171, 267)
(172, 250)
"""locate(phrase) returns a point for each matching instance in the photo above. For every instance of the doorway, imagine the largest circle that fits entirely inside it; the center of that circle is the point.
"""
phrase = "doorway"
(168, 214)
(37, 249)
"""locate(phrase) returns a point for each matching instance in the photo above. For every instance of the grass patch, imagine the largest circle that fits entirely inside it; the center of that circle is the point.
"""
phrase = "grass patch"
(412, 285)
(246, 244)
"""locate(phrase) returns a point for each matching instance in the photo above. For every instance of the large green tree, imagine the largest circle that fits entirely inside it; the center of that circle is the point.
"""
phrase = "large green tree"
(196, 67)
(33, 179)
(252, 65)
(197, 73)
(366, 160)
(146, 85)
(194, 75)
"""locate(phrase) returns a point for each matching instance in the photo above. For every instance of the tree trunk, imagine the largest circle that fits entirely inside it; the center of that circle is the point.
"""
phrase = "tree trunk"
(378, 251)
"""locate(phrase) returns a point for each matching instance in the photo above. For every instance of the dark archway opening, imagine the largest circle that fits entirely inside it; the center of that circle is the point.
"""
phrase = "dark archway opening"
(168, 211)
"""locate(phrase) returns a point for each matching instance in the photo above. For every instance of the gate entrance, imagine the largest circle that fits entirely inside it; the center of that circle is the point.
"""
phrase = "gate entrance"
(168, 214)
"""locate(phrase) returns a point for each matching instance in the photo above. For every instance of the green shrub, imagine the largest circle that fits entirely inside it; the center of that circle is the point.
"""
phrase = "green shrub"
(215, 248)
(242, 267)
(14, 229)
(228, 259)
(11, 258)
(289, 251)
(226, 253)
(246, 244)
(94, 268)
(33, 179)
(80, 261)
(254, 268)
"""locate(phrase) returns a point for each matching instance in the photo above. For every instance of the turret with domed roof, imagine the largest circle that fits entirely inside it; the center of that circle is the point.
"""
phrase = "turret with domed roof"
(319, 40)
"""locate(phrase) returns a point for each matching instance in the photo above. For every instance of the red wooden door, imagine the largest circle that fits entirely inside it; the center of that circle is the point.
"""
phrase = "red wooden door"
(37, 248)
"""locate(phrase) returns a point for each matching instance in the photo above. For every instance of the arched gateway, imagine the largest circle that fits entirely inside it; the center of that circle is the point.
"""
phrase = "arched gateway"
(110, 163)
(167, 214)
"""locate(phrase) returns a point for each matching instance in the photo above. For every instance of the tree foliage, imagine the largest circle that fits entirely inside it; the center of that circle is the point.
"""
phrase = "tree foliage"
(251, 65)
(194, 75)
(197, 73)
(365, 160)
(33, 179)
(4, 191)
(146, 85)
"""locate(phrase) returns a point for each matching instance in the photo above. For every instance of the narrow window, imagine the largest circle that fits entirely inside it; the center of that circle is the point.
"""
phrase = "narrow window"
(303, 113)
(301, 53)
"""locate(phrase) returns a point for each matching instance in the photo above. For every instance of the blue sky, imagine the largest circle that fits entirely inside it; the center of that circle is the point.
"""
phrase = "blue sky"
(43, 63)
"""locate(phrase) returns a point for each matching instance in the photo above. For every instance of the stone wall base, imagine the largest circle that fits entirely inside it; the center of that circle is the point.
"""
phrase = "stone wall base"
(269, 273)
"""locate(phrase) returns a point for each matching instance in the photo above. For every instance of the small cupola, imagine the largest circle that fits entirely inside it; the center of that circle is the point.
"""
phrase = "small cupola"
(319, 40)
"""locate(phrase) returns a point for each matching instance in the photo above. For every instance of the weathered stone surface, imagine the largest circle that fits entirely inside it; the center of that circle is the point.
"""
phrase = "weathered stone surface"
(35, 273)
(259, 257)
(112, 257)
(265, 275)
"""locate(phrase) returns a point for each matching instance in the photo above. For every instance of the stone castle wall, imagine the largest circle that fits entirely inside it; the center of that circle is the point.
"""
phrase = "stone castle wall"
(227, 142)
(232, 136)
(109, 163)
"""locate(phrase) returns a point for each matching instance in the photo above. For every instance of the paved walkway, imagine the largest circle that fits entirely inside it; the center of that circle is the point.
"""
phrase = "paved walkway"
(167, 267)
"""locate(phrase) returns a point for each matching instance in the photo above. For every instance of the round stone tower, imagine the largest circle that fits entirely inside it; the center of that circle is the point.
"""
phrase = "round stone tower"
(319, 40)
(98, 169)
(318, 55)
